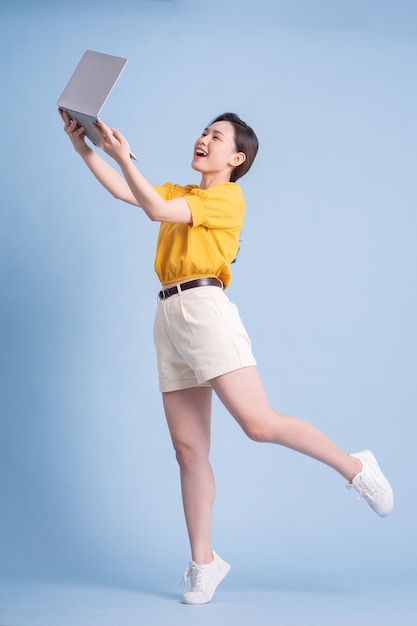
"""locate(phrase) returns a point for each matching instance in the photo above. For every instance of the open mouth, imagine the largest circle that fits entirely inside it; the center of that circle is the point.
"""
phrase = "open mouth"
(200, 153)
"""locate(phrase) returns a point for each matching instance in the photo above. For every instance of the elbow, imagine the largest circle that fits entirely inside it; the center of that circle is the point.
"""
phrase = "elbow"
(124, 198)
(153, 214)
(116, 194)
(153, 217)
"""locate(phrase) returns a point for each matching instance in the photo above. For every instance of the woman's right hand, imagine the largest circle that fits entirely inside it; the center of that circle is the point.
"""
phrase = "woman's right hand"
(74, 132)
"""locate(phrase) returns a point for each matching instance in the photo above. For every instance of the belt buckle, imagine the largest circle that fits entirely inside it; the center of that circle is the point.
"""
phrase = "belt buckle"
(167, 293)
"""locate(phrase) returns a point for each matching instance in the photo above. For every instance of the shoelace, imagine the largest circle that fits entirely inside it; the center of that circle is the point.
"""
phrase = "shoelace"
(365, 488)
(195, 572)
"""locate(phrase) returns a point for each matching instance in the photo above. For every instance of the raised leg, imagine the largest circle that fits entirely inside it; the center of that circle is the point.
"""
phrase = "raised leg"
(243, 394)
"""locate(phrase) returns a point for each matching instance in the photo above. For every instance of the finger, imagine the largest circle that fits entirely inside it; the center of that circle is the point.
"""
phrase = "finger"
(65, 118)
(74, 131)
(73, 125)
(77, 133)
(102, 126)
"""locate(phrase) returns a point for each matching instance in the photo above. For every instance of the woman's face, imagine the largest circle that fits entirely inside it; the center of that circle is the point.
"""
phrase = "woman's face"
(215, 151)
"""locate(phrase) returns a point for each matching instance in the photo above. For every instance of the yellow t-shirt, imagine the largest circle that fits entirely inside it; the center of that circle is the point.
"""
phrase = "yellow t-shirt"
(208, 245)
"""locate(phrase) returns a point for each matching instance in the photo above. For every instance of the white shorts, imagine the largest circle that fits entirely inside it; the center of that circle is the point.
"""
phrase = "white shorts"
(199, 335)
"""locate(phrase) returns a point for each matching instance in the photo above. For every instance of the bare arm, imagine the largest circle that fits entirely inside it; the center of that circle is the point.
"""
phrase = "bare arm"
(105, 174)
(132, 187)
(156, 208)
(108, 177)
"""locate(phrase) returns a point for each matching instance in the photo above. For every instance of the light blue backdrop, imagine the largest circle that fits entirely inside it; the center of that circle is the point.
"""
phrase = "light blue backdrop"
(325, 281)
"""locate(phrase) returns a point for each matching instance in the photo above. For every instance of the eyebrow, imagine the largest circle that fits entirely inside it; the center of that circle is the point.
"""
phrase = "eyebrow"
(215, 130)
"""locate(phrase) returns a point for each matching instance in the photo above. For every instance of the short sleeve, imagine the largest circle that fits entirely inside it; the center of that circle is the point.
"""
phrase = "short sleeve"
(168, 191)
(222, 206)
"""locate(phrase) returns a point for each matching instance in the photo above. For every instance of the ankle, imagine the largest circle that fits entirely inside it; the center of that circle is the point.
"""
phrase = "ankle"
(203, 558)
(355, 469)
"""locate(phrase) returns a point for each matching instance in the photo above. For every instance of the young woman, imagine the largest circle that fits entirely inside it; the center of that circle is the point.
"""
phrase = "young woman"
(200, 340)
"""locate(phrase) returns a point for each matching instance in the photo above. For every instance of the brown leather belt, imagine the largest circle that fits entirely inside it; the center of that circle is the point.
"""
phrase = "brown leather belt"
(206, 281)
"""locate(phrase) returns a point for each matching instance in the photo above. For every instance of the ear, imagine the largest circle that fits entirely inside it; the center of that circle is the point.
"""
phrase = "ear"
(238, 159)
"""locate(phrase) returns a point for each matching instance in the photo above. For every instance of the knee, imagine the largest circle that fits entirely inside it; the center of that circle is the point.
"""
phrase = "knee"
(257, 432)
(189, 455)
(264, 429)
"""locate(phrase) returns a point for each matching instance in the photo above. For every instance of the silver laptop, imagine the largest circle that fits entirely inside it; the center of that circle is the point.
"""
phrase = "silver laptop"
(88, 89)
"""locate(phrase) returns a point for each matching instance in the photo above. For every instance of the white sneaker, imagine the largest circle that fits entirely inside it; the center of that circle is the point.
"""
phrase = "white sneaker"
(204, 580)
(372, 485)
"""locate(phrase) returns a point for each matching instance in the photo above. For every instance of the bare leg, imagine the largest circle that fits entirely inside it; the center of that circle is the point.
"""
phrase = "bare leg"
(243, 394)
(188, 414)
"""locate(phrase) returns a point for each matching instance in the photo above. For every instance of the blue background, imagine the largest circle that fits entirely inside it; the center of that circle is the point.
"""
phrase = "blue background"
(325, 282)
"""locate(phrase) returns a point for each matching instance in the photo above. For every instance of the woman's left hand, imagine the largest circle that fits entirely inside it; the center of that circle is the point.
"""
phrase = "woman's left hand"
(114, 144)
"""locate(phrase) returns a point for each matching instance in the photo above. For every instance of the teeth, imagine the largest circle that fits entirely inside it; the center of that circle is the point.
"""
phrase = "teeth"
(200, 153)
